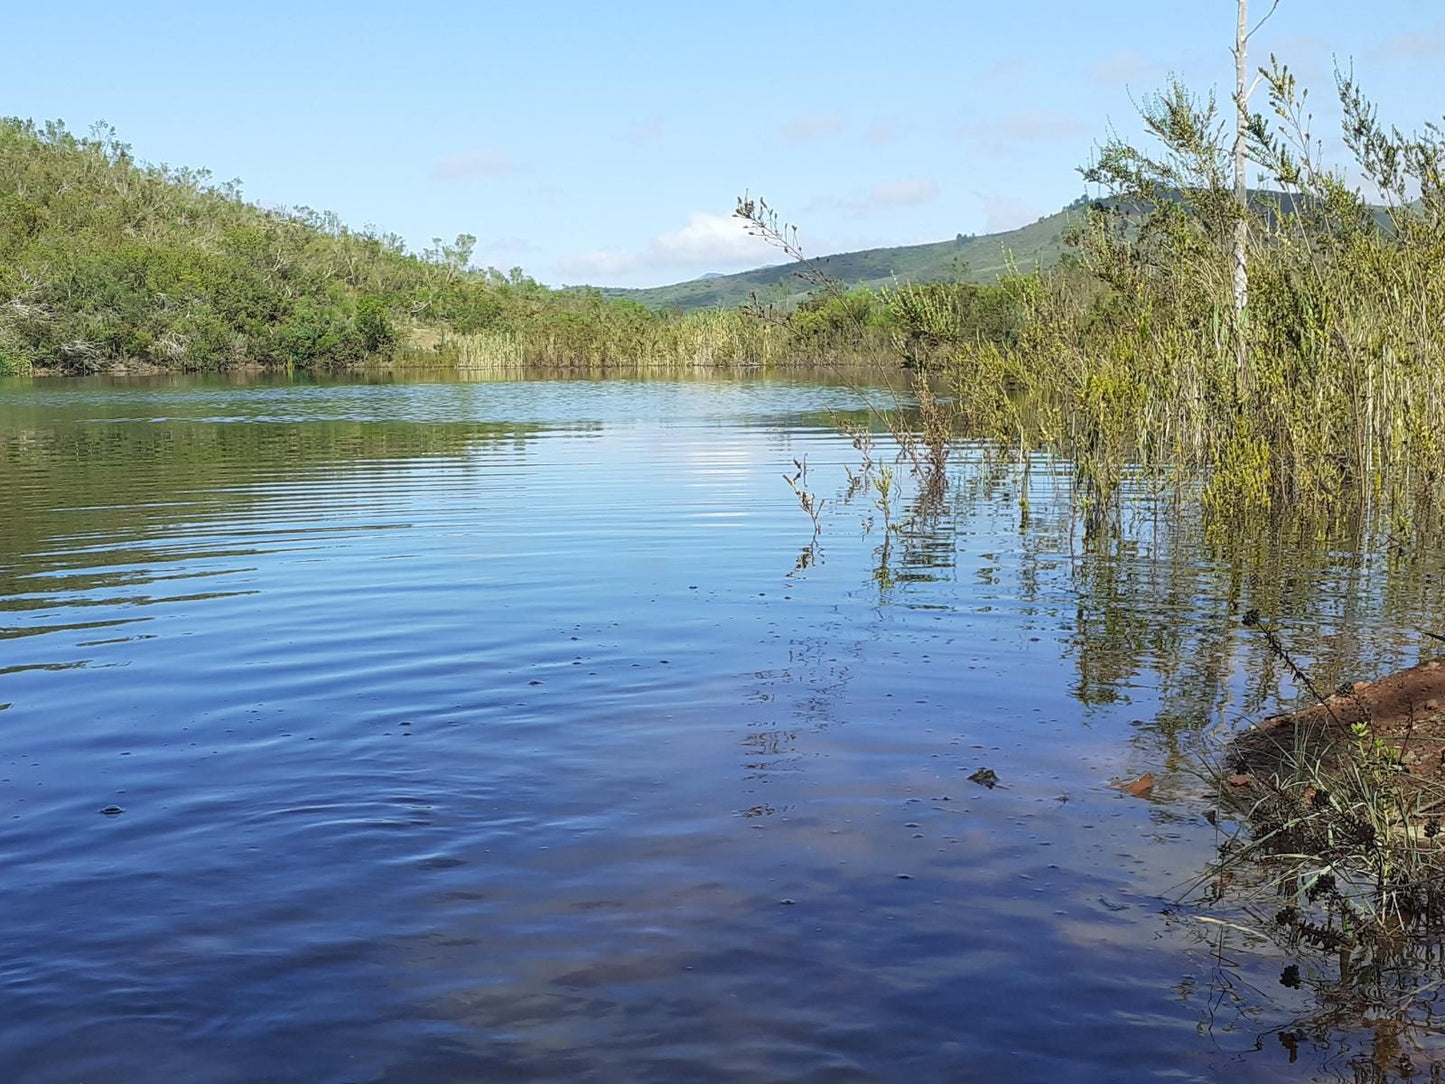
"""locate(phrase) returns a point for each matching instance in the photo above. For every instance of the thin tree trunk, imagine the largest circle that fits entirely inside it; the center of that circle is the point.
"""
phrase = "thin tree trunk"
(1241, 194)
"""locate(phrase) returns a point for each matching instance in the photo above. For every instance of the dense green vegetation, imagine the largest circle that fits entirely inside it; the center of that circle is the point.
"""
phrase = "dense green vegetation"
(1342, 397)
(1128, 357)
(108, 263)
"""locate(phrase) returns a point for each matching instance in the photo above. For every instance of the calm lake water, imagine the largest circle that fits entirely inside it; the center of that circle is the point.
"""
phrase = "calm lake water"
(496, 731)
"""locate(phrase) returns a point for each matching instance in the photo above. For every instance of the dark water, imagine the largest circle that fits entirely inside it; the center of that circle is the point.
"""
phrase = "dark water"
(488, 731)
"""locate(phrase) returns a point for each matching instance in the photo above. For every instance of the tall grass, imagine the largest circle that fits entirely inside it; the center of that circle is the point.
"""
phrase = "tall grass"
(1127, 358)
(605, 342)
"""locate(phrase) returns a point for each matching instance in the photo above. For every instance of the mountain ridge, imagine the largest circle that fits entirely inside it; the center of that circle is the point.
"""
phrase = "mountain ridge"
(966, 258)
(978, 258)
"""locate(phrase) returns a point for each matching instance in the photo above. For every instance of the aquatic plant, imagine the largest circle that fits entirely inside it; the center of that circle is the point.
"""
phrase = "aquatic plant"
(1345, 395)
(603, 338)
(925, 426)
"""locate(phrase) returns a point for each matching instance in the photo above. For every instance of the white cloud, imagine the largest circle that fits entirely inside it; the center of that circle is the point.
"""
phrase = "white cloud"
(708, 237)
(477, 162)
(709, 242)
(1123, 68)
(883, 130)
(1005, 213)
(811, 126)
(909, 193)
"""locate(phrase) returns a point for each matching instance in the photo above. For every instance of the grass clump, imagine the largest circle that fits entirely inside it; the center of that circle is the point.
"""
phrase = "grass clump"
(1128, 358)
(1133, 351)
(599, 337)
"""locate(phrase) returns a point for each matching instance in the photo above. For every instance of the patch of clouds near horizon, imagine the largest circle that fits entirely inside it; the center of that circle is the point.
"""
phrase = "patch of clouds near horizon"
(907, 193)
(1124, 67)
(883, 130)
(1003, 213)
(709, 242)
(1025, 126)
(477, 162)
(1005, 67)
(645, 131)
(810, 126)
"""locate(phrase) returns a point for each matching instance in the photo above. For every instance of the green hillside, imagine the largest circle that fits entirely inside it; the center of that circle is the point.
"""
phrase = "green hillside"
(108, 264)
(964, 259)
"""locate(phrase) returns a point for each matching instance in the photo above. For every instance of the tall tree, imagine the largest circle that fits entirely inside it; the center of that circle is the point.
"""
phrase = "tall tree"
(1242, 34)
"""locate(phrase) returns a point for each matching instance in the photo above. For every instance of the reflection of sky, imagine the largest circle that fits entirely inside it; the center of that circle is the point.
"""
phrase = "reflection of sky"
(490, 729)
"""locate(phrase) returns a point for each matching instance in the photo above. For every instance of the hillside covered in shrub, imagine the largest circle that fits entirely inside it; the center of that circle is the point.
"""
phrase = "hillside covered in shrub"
(107, 262)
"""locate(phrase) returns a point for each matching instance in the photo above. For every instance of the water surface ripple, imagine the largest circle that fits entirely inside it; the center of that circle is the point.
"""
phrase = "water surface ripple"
(488, 731)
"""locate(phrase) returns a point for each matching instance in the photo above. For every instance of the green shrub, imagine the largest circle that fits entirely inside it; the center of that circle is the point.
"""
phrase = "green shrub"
(373, 324)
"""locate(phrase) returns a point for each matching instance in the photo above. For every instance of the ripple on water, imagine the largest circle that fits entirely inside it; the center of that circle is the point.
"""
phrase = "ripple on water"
(469, 731)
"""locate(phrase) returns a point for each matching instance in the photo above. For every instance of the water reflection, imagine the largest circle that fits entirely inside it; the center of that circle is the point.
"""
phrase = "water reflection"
(470, 730)
(1153, 614)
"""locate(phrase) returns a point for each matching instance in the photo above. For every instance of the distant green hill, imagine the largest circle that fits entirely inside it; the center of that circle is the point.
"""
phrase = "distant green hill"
(979, 258)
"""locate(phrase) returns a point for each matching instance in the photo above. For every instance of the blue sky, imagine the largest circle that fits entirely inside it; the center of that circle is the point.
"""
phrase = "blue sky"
(606, 143)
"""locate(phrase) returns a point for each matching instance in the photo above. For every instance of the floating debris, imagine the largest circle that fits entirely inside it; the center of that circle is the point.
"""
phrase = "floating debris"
(985, 777)
(112, 811)
(1138, 788)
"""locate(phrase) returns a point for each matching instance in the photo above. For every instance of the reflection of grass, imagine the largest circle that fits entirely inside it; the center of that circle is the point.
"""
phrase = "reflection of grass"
(1366, 1017)
(122, 475)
